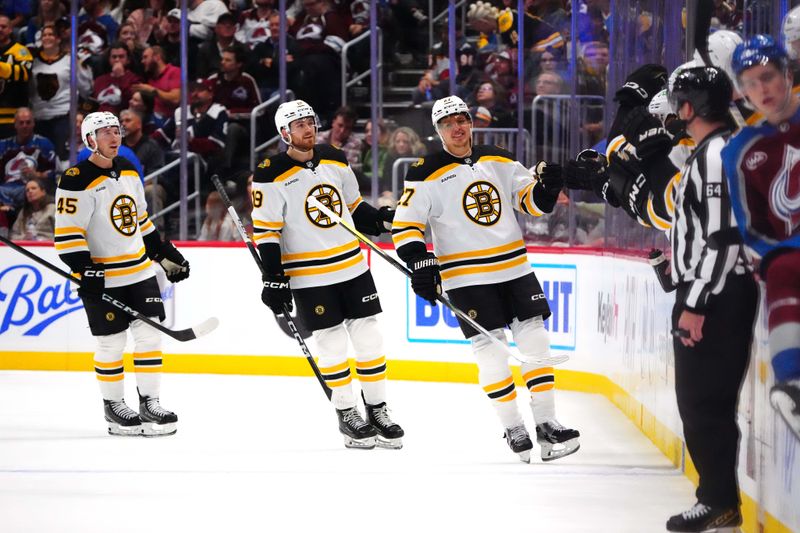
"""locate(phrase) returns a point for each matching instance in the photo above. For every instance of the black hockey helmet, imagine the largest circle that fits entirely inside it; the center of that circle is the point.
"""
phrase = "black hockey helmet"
(708, 89)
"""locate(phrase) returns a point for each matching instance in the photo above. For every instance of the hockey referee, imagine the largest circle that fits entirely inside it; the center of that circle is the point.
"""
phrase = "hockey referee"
(715, 306)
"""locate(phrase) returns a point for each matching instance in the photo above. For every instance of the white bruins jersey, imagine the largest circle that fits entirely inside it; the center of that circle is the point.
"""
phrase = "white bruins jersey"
(104, 212)
(315, 251)
(468, 203)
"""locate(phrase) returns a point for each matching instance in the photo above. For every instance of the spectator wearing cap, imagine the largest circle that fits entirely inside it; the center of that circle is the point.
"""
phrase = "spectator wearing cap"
(481, 117)
(253, 25)
(202, 16)
(206, 130)
(170, 39)
(162, 81)
(49, 12)
(265, 60)
(50, 88)
(321, 33)
(341, 136)
(209, 53)
(113, 90)
(233, 88)
(469, 75)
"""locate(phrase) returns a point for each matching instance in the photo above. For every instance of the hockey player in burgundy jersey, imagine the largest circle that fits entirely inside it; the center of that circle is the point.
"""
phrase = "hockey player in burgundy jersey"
(762, 164)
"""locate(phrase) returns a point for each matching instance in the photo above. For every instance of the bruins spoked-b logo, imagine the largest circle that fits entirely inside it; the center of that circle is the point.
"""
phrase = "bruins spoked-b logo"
(482, 203)
(328, 196)
(123, 215)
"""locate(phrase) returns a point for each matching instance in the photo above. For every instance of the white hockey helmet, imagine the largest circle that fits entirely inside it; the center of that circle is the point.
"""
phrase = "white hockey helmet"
(449, 105)
(95, 121)
(791, 31)
(288, 112)
(721, 45)
(660, 107)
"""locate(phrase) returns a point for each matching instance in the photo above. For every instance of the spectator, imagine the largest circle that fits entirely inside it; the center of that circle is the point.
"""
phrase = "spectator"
(17, 12)
(254, 23)
(150, 21)
(481, 117)
(36, 220)
(491, 96)
(15, 71)
(403, 142)
(163, 83)
(321, 34)
(113, 90)
(50, 88)
(143, 104)
(501, 70)
(217, 226)
(233, 88)
(170, 39)
(146, 149)
(341, 136)
(265, 66)
(434, 83)
(469, 75)
(128, 37)
(97, 12)
(209, 53)
(202, 16)
(50, 11)
(592, 68)
(549, 83)
(366, 154)
(24, 157)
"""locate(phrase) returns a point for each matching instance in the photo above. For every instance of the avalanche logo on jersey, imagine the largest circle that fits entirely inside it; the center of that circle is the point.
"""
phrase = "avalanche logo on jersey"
(123, 215)
(111, 95)
(482, 203)
(328, 196)
(18, 163)
(784, 192)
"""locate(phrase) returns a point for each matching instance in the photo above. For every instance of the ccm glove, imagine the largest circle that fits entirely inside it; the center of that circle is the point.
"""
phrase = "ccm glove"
(629, 185)
(587, 172)
(93, 280)
(641, 85)
(425, 277)
(173, 263)
(276, 292)
(646, 133)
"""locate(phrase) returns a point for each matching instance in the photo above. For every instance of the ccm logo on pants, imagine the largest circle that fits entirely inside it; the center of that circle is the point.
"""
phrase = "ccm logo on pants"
(370, 297)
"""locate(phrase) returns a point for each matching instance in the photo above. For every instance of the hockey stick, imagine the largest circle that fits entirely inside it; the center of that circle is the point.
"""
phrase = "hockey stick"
(552, 360)
(182, 335)
(252, 247)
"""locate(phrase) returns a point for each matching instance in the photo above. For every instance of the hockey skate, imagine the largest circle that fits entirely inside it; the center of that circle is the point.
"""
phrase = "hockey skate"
(122, 420)
(156, 421)
(702, 518)
(357, 433)
(556, 440)
(785, 398)
(520, 442)
(390, 434)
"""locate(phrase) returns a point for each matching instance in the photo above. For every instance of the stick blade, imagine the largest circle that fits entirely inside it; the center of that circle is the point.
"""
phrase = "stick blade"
(206, 327)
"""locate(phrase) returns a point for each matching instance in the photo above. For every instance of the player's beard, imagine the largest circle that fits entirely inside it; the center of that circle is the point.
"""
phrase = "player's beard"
(303, 144)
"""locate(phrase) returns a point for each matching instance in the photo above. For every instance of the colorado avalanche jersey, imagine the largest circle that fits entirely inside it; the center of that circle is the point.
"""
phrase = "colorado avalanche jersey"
(104, 212)
(468, 204)
(762, 164)
(315, 251)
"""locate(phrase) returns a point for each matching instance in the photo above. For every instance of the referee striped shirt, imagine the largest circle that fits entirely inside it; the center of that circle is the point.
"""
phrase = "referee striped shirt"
(702, 208)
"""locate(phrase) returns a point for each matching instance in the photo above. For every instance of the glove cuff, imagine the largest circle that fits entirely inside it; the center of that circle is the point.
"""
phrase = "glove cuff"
(425, 261)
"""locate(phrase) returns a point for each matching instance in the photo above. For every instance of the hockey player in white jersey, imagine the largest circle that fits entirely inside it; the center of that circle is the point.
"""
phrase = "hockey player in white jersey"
(323, 270)
(102, 232)
(466, 195)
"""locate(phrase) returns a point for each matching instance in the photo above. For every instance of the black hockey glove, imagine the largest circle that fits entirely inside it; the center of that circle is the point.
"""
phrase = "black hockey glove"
(373, 221)
(173, 263)
(276, 292)
(551, 181)
(425, 278)
(646, 133)
(629, 185)
(587, 172)
(93, 280)
(641, 85)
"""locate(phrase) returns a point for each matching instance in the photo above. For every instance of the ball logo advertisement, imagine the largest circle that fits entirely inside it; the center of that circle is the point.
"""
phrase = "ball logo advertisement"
(437, 324)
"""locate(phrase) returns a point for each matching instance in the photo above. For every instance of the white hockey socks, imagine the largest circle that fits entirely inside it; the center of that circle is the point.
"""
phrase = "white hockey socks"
(532, 338)
(333, 365)
(370, 362)
(108, 365)
(147, 359)
(494, 375)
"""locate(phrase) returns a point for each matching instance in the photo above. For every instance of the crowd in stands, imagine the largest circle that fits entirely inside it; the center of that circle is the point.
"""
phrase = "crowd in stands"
(129, 57)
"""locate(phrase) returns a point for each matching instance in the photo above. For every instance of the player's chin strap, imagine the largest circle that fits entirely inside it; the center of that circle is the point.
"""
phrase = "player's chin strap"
(96, 150)
(549, 360)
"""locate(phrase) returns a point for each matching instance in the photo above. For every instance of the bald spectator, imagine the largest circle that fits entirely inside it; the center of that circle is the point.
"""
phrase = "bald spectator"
(113, 90)
(24, 157)
(163, 82)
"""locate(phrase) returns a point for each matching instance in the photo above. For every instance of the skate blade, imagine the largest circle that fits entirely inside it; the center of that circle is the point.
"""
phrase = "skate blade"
(550, 452)
(124, 431)
(786, 407)
(359, 444)
(150, 429)
(389, 444)
(525, 456)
